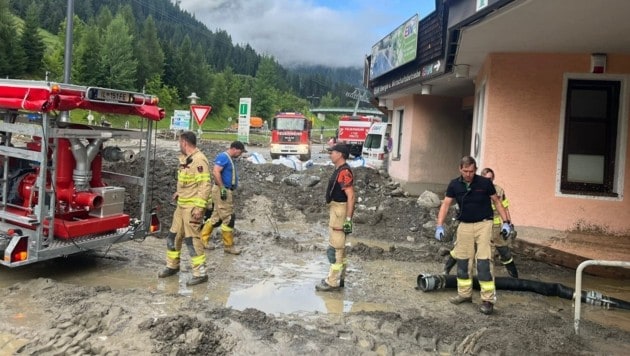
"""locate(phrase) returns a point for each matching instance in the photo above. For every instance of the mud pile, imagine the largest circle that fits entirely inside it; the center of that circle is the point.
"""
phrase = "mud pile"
(112, 303)
(383, 208)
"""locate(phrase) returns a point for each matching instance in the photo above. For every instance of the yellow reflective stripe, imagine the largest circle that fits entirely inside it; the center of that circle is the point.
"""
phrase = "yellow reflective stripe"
(198, 260)
(464, 282)
(505, 203)
(496, 220)
(226, 228)
(508, 261)
(193, 178)
(203, 177)
(336, 266)
(486, 286)
(174, 255)
(198, 202)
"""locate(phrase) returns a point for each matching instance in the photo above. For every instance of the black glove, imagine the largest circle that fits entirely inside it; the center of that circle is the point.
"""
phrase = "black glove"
(223, 193)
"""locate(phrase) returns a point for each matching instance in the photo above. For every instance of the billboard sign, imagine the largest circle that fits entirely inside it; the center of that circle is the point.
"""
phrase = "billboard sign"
(398, 48)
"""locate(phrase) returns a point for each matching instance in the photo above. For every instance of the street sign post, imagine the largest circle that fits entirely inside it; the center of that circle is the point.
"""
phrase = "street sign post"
(244, 113)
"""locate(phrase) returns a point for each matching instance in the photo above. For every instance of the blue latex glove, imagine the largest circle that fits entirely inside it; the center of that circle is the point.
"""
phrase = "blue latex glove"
(223, 193)
(505, 230)
(347, 226)
(439, 233)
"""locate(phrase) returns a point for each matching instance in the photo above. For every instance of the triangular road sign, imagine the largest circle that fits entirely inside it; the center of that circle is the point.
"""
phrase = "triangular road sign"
(200, 112)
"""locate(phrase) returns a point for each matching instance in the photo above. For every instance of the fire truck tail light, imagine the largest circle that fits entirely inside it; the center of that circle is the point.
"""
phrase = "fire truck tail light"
(20, 252)
(155, 223)
(19, 256)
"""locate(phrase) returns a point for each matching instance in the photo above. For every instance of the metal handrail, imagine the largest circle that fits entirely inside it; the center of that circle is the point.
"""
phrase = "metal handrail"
(578, 284)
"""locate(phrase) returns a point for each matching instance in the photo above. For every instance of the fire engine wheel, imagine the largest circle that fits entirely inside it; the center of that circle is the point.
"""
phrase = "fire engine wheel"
(275, 156)
(305, 157)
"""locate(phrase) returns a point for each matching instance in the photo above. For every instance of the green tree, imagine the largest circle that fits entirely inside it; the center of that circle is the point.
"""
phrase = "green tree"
(118, 65)
(329, 101)
(168, 95)
(32, 42)
(149, 53)
(12, 57)
(265, 96)
(88, 58)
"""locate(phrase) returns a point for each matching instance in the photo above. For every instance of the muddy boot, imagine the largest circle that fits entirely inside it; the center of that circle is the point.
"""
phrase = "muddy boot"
(228, 243)
(197, 280)
(231, 250)
(167, 272)
(486, 308)
(511, 268)
(323, 286)
(459, 300)
(449, 264)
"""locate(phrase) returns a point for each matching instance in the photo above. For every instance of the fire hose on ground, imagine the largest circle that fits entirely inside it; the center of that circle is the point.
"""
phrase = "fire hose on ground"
(428, 282)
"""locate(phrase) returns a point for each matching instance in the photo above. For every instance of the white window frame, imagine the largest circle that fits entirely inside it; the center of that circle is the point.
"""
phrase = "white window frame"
(479, 115)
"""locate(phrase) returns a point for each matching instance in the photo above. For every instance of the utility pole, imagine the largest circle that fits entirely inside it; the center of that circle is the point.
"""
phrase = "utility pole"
(67, 64)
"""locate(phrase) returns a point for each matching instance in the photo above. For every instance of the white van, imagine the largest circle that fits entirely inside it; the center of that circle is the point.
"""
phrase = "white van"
(375, 151)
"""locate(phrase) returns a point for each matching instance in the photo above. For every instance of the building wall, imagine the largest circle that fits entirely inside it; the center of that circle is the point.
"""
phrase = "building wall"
(524, 98)
(432, 142)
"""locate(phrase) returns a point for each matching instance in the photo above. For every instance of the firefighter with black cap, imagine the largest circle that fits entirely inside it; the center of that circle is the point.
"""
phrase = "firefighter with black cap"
(193, 191)
(340, 198)
(225, 182)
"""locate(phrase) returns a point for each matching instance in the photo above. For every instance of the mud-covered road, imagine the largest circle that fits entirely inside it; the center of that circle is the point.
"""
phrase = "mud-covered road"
(263, 302)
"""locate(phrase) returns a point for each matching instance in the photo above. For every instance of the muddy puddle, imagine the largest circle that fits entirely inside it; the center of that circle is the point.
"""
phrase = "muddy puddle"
(285, 285)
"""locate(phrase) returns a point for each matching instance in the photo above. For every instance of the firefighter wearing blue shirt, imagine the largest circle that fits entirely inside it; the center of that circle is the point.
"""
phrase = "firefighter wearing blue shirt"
(225, 182)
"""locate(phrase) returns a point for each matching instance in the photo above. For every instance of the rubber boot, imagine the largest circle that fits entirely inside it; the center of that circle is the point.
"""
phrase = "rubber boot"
(206, 234)
(228, 243)
(197, 280)
(511, 268)
(167, 272)
(449, 264)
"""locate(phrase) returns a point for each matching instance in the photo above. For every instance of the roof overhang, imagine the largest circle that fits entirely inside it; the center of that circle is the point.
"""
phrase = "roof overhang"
(532, 26)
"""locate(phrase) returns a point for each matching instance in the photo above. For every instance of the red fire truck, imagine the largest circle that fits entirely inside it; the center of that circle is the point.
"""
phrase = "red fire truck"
(55, 198)
(353, 131)
(290, 135)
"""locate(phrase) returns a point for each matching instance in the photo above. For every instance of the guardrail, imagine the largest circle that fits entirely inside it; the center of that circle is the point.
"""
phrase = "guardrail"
(578, 285)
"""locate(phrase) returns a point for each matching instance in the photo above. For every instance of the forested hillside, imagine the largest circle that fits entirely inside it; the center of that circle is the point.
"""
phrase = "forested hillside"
(153, 44)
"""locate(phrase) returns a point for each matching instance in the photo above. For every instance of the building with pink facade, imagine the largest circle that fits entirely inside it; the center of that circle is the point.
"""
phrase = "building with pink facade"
(536, 89)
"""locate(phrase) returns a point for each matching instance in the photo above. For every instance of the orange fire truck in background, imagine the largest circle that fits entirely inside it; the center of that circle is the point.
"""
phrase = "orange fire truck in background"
(290, 135)
(55, 197)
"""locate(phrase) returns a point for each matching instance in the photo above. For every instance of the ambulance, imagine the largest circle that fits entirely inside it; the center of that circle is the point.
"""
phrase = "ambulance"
(375, 152)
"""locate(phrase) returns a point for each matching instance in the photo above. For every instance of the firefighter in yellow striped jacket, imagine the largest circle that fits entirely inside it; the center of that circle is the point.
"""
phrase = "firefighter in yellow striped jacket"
(192, 195)
(501, 243)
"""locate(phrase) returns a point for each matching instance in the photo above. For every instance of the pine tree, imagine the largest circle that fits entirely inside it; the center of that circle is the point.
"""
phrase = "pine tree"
(32, 42)
(149, 54)
(12, 59)
(117, 62)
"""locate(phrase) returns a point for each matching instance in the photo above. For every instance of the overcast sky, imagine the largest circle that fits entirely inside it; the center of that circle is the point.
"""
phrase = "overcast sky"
(327, 32)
